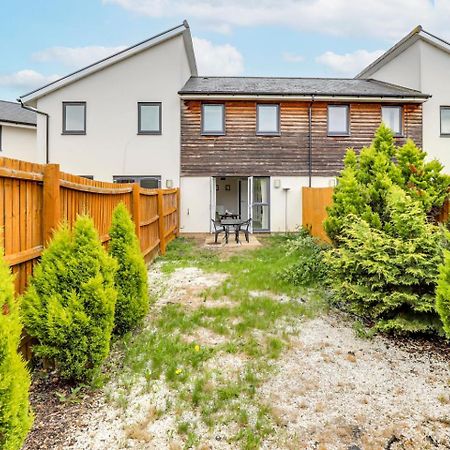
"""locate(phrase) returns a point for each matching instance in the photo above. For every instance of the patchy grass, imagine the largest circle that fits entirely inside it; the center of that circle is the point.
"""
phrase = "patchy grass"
(260, 306)
(257, 269)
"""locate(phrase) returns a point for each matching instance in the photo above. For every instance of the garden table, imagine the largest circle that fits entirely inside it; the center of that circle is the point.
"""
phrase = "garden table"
(235, 223)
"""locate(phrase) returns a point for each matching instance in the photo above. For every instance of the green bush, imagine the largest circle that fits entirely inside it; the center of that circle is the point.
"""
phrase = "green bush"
(131, 276)
(364, 183)
(443, 294)
(309, 268)
(69, 305)
(15, 413)
(389, 275)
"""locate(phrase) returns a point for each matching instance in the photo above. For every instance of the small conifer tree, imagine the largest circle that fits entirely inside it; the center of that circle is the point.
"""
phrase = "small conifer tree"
(443, 294)
(131, 276)
(69, 305)
(15, 413)
(389, 275)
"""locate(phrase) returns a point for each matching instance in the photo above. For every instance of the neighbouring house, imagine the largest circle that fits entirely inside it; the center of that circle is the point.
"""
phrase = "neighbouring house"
(119, 118)
(249, 145)
(421, 61)
(17, 132)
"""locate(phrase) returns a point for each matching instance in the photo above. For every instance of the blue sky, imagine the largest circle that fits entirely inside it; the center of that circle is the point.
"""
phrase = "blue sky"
(42, 39)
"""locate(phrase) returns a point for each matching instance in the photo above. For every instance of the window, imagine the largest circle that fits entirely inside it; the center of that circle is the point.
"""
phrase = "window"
(445, 121)
(1, 148)
(392, 118)
(338, 122)
(268, 119)
(145, 181)
(213, 119)
(74, 117)
(149, 118)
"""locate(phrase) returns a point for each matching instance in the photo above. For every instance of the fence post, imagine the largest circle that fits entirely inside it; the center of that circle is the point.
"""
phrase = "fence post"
(178, 212)
(162, 238)
(135, 206)
(51, 201)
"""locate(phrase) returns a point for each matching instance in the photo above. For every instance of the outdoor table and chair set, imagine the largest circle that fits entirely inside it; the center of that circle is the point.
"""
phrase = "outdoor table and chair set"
(231, 223)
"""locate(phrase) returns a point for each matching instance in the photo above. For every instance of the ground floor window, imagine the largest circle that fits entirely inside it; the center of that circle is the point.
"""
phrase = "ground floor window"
(145, 181)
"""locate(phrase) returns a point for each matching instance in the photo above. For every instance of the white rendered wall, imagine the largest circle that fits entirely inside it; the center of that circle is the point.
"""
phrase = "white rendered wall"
(19, 142)
(111, 145)
(435, 81)
(195, 202)
(195, 211)
(286, 204)
(426, 68)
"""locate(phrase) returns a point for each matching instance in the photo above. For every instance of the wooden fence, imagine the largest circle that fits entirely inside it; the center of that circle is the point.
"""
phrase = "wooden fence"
(35, 198)
(314, 209)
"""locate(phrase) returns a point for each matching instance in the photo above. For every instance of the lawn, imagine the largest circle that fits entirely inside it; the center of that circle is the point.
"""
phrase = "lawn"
(233, 355)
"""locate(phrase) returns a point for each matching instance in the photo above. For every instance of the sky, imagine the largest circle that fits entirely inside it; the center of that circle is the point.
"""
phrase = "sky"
(42, 40)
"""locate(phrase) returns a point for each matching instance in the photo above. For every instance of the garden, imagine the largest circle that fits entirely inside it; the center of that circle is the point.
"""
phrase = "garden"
(295, 344)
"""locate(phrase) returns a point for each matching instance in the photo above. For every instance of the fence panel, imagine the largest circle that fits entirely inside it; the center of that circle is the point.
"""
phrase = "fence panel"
(36, 198)
(314, 212)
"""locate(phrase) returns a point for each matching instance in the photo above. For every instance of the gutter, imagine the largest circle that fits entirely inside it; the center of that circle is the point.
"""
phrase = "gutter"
(317, 98)
(47, 120)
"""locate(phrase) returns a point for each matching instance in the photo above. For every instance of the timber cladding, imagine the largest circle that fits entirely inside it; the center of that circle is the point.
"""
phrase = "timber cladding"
(241, 152)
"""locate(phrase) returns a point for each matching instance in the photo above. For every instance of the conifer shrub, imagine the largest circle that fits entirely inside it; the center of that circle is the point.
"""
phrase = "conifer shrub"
(443, 294)
(15, 413)
(131, 276)
(389, 275)
(366, 179)
(69, 305)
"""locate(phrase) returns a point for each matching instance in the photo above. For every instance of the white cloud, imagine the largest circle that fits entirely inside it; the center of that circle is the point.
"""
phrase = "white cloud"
(292, 57)
(383, 19)
(217, 59)
(75, 56)
(348, 63)
(26, 79)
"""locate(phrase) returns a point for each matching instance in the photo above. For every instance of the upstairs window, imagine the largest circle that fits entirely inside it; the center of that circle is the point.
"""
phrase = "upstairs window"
(74, 118)
(445, 120)
(392, 118)
(213, 119)
(338, 121)
(149, 118)
(268, 119)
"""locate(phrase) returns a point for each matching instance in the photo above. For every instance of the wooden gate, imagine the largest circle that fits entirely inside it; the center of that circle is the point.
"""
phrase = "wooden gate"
(314, 212)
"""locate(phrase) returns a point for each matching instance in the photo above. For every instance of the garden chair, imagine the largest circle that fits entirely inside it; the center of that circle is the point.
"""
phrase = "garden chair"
(245, 228)
(219, 228)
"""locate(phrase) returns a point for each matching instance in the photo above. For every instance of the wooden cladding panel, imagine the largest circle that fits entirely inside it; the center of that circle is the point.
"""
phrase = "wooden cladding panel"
(240, 152)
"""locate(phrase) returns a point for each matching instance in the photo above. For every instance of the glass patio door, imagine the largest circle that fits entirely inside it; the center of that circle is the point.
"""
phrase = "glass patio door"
(259, 188)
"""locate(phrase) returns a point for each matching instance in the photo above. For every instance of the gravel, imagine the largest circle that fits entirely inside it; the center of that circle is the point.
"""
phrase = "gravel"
(330, 390)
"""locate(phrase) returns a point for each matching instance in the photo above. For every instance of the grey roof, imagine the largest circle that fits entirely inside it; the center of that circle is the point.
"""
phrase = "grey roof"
(342, 87)
(14, 113)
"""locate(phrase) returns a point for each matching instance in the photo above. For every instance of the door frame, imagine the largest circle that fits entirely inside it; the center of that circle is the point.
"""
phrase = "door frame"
(268, 203)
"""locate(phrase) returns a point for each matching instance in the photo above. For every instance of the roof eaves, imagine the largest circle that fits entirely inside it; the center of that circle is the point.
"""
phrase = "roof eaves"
(404, 43)
(105, 62)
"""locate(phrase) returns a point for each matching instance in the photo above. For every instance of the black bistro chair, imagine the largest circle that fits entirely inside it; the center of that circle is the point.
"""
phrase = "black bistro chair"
(219, 228)
(245, 228)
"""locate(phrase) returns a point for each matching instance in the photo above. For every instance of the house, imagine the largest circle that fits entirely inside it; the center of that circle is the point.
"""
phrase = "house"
(245, 145)
(249, 145)
(119, 118)
(421, 61)
(17, 132)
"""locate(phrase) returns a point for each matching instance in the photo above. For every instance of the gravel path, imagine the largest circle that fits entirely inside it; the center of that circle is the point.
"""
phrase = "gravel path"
(330, 390)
